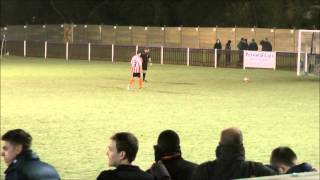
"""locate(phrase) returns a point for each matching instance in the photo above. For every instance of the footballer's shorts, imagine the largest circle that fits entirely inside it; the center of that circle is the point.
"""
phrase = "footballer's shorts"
(136, 75)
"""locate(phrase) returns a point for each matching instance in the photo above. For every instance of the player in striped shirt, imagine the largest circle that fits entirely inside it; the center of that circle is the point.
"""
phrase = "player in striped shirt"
(136, 70)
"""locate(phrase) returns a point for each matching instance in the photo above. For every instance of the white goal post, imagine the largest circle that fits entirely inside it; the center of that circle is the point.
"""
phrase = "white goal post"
(308, 42)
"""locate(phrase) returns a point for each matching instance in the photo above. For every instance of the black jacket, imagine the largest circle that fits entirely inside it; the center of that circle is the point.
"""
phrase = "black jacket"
(217, 46)
(125, 172)
(145, 59)
(303, 167)
(253, 46)
(266, 46)
(230, 164)
(178, 168)
(27, 166)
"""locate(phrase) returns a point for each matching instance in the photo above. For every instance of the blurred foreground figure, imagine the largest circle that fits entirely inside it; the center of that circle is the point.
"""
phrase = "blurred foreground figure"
(23, 164)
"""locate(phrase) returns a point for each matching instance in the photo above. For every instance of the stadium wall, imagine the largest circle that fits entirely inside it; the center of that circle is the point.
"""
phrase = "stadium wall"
(283, 40)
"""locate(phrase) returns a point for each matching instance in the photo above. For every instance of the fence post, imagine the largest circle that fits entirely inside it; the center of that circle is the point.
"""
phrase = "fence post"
(299, 49)
(243, 63)
(188, 56)
(89, 52)
(67, 51)
(215, 58)
(275, 64)
(306, 62)
(161, 55)
(45, 50)
(112, 53)
(24, 48)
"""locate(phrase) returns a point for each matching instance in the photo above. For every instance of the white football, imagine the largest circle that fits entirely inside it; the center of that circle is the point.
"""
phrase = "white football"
(246, 79)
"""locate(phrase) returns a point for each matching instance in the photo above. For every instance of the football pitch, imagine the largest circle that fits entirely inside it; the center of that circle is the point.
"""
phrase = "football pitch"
(72, 108)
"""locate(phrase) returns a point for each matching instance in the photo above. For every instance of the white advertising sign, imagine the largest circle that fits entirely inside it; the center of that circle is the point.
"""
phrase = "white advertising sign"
(259, 59)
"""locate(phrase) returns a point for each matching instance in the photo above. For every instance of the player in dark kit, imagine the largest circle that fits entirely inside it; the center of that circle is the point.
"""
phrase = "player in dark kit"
(145, 59)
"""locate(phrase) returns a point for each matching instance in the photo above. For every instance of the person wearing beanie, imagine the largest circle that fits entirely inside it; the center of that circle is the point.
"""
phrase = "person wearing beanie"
(230, 161)
(168, 152)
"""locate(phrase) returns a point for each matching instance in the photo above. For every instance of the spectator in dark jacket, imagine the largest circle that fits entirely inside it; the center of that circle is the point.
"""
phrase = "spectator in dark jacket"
(253, 45)
(241, 47)
(169, 153)
(245, 44)
(218, 46)
(22, 163)
(263, 46)
(266, 45)
(230, 161)
(227, 50)
(121, 152)
(283, 159)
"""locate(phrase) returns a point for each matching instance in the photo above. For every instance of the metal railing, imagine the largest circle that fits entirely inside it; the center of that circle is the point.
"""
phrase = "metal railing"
(160, 55)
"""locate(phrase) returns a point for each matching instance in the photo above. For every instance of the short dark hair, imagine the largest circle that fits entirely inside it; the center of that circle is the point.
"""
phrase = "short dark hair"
(128, 143)
(18, 137)
(231, 136)
(284, 155)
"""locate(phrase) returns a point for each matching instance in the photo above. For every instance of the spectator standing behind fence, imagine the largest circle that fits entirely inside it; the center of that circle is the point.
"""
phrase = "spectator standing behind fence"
(266, 45)
(228, 52)
(283, 160)
(218, 46)
(253, 45)
(230, 161)
(121, 152)
(145, 60)
(241, 47)
(168, 152)
(246, 45)
(23, 163)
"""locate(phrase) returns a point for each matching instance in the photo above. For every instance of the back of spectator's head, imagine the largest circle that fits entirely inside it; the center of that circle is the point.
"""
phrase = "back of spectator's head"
(18, 137)
(253, 40)
(231, 136)
(229, 41)
(168, 144)
(127, 143)
(283, 155)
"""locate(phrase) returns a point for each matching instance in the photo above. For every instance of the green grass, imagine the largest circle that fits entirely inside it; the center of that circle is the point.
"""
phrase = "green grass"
(71, 109)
